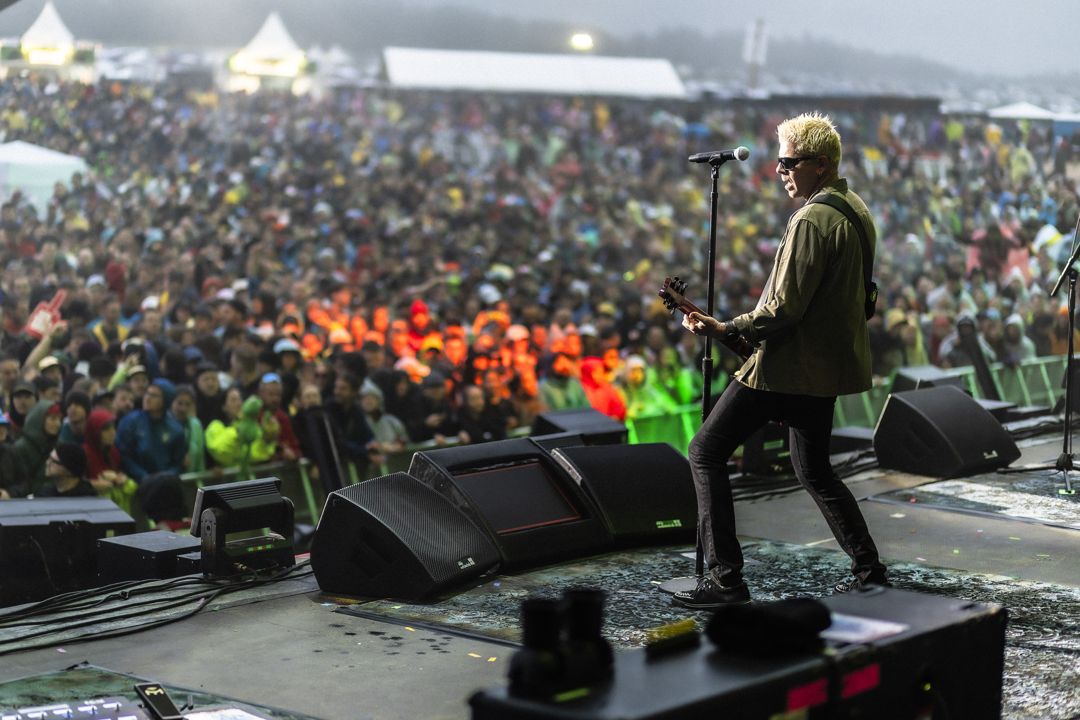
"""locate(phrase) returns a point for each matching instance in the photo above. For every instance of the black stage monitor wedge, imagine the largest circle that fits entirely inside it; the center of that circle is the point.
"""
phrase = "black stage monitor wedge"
(595, 427)
(940, 432)
(890, 655)
(392, 536)
(558, 440)
(49, 545)
(919, 377)
(644, 492)
(519, 496)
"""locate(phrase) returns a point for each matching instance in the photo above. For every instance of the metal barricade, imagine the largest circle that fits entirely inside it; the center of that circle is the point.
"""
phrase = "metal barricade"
(296, 484)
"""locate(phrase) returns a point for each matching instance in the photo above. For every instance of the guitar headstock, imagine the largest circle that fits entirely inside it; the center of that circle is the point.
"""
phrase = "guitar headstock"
(673, 293)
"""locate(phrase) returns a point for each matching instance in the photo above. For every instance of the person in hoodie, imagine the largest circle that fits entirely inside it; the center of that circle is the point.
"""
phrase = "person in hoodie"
(603, 396)
(390, 433)
(150, 440)
(26, 458)
(1016, 346)
(104, 469)
(560, 389)
(23, 398)
(209, 395)
(76, 409)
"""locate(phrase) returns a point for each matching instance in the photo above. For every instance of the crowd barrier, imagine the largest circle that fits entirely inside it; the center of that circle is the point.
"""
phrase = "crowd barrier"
(1036, 382)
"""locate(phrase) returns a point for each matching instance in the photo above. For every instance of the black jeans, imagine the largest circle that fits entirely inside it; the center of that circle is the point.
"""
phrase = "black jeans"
(737, 414)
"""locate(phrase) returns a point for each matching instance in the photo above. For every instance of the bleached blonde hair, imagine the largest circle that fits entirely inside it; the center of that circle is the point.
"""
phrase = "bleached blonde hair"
(811, 134)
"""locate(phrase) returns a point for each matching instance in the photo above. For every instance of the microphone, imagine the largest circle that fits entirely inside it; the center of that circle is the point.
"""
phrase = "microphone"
(719, 157)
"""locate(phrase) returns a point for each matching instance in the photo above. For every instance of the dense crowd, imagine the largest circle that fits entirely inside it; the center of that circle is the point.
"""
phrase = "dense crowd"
(420, 267)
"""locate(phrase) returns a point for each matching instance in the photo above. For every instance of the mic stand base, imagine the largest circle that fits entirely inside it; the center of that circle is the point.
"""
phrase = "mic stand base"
(1064, 465)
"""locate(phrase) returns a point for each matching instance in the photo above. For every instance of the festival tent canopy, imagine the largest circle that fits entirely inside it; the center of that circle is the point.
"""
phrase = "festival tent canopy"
(35, 170)
(532, 73)
(1021, 111)
(48, 41)
(271, 52)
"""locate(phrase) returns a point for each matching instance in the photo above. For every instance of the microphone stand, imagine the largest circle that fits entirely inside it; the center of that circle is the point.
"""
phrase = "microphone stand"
(681, 584)
(1064, 463)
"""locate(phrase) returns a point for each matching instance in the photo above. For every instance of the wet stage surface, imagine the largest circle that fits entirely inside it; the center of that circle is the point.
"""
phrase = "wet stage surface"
(1004, 539)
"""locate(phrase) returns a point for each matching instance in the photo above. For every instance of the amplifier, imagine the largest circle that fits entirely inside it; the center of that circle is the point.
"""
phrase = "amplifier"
(142, 556)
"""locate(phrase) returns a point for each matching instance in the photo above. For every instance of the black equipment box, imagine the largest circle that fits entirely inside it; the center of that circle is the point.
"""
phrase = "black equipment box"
(48, 546)
(943, 658)
(142, 556)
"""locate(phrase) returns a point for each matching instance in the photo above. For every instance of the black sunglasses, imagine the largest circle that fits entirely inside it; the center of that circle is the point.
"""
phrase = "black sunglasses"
(789, 163)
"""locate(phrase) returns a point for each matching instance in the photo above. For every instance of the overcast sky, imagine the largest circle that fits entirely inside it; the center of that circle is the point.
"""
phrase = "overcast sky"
(1012, 37)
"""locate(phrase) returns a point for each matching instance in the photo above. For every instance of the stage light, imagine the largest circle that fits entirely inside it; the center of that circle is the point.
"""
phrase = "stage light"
(243, 526)
(582, 42)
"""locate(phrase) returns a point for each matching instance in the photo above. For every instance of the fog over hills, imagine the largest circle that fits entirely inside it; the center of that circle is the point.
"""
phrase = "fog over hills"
(364, 27)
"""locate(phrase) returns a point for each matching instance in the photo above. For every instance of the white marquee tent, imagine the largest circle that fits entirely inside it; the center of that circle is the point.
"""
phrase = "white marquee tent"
(532, 73)
(35, 170)
(1021, 111)
(48, 41)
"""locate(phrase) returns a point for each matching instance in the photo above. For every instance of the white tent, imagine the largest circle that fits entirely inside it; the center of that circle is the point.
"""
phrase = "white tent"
(532, 73)
(1021, 111)
(48, 41)
(271, 52)
(35, 170)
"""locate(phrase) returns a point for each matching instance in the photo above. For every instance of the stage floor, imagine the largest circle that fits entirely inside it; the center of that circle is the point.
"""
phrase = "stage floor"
(992, 538)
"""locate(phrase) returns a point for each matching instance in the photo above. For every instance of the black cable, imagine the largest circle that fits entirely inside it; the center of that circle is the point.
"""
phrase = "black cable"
(44, 562)
(238, 583)
(203, 601)
(84, 598)
(251, 580)
(83, 614)
(76, 595)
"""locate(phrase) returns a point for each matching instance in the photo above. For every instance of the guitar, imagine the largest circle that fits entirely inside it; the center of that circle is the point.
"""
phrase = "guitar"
(672, 293)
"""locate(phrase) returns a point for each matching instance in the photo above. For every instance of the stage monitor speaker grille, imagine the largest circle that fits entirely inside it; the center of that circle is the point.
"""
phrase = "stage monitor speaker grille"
(645, 492)
(393, 536)
(941, 432)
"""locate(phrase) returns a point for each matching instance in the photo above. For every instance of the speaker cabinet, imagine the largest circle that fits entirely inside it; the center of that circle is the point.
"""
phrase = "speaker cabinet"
(392, 536)
(645, 493)
(520, 496)
(595, 427)
(920, 377)
(49, 546)
(941, 432)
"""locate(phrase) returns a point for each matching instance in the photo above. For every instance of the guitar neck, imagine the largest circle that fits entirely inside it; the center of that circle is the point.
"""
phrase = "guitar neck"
(688, 307)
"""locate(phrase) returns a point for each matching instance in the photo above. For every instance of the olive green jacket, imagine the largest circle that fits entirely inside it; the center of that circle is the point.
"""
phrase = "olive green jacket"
(810, 321)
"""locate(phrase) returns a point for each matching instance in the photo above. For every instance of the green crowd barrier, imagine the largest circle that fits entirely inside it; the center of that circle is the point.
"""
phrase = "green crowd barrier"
(297, 484)
(1035, 382)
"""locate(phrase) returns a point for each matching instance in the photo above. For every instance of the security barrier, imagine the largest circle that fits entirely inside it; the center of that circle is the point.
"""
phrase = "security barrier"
(1033, 382)
(296, 484)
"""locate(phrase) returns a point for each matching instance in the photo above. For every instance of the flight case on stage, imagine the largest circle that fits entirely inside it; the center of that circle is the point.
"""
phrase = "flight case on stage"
(945, 660)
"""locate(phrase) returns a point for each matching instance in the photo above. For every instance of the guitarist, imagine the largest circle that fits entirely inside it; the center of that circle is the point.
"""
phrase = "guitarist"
(809, 326)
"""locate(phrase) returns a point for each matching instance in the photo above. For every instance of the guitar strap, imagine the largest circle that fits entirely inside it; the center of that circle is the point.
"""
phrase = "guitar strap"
(837, 202)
